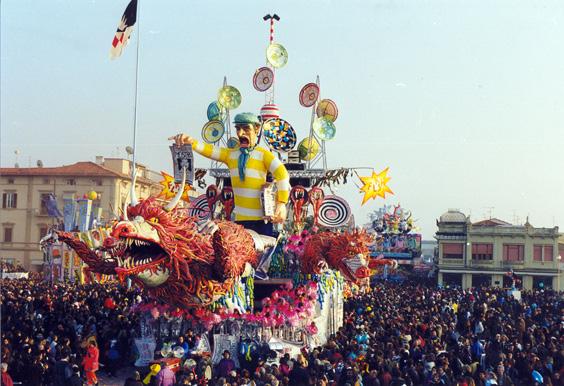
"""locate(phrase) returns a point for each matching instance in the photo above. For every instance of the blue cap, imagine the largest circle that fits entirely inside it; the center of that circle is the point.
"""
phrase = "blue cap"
(246, 118)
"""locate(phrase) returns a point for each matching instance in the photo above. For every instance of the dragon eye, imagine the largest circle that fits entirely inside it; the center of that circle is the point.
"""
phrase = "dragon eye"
(154, 220)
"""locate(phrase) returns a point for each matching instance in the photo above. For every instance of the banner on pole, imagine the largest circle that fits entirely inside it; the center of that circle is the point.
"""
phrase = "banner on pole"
(84, 212)
(69, 209)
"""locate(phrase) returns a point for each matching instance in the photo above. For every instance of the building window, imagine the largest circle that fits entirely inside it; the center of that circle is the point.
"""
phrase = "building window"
(46, 181)
(513, 252)
(97, 182)
(453, 251)
(8, 233)
(43, 231)
(42, 199)
(71, 181)
(10, 181)
(9, 200)
(69, 195)
(543, 252)
(537, 253)
(548, 253)
(482, 251)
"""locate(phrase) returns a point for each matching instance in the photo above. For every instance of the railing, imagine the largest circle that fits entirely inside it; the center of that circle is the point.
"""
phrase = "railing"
(479, 263)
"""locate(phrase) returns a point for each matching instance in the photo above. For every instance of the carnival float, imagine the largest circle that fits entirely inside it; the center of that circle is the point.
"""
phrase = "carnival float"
(201, 265)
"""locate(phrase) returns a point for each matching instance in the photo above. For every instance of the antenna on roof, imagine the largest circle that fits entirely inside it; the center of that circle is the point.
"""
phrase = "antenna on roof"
(490, 210)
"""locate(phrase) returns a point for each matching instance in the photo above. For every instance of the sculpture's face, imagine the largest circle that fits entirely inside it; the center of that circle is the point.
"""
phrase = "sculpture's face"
(247, 134)
(142, 247)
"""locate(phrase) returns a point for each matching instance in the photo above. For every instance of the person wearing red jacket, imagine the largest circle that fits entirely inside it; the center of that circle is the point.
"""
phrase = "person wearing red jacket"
(6, 379)
(90, 363)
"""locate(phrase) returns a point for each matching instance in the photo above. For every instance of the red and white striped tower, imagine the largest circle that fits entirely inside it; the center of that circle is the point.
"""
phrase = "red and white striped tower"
(269, 94)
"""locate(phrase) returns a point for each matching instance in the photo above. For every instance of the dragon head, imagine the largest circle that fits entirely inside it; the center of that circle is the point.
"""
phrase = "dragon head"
(350, 254)
(152, 245)
(164, 251)
(344, 251)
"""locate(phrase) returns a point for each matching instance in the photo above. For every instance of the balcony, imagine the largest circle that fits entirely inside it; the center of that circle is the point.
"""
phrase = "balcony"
(482, 263)
(451, 262)
(544, 264)
(512, 264)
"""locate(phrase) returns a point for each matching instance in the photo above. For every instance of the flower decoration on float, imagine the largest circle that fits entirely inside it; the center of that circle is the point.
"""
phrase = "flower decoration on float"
(375, 185)
(169, 188)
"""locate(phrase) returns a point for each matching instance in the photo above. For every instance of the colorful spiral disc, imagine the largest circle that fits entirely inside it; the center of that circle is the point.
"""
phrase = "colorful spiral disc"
(263, 79)
(229, 97)
(324, 129)
(327, 109)
(309, 94)
(279, 135)
(213, 131)
(276, 55)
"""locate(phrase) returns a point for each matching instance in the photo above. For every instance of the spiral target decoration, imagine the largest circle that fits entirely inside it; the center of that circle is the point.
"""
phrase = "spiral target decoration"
(334, 212)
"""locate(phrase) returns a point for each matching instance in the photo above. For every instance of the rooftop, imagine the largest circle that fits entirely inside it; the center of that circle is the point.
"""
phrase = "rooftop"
(79, 169)
(453, 216)
(492, 222)
(86, 169)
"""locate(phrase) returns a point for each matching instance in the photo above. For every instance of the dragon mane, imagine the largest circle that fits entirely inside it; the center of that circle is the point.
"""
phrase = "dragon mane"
(333, 248)
(204, 265)
(178, 234)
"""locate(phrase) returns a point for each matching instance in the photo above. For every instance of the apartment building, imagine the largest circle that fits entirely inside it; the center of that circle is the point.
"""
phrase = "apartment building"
(484, 252)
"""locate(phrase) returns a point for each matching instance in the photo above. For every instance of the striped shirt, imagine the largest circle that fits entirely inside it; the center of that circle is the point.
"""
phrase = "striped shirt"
(248, 206)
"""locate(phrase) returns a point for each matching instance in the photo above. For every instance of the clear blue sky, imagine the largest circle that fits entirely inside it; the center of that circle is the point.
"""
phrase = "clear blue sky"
(461, 99)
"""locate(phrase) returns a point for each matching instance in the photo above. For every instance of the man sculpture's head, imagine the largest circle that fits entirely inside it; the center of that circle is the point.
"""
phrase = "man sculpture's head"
(247, 126)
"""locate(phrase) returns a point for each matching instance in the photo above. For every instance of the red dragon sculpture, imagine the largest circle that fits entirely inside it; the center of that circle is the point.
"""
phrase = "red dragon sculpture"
(347, 252)
(162, 250)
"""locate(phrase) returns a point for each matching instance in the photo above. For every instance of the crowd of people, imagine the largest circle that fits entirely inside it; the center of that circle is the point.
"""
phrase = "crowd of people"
(50, 332)
(11, 268)
(392, 335)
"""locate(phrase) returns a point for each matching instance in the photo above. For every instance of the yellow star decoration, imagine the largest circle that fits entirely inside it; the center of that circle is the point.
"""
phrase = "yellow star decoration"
(170, 188)
(375, 185)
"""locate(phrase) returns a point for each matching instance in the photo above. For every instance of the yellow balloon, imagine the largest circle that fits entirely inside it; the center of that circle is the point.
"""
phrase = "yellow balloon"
(92, 195)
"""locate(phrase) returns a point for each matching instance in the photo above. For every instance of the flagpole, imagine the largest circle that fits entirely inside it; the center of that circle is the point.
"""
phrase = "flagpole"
(138, 22)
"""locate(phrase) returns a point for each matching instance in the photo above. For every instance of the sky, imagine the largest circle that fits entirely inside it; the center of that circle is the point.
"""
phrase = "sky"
(460, 99)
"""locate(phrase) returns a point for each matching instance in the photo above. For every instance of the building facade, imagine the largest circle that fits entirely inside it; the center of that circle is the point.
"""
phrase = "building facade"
(23, 216)
(483, 253)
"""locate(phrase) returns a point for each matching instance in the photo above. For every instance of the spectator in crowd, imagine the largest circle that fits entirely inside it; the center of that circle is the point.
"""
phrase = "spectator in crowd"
(6, 378)
(165, 377)
(134, 380)
(225, 365)
(90, 362)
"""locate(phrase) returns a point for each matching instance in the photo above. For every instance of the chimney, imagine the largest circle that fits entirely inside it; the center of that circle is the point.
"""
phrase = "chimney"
(99, 159)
